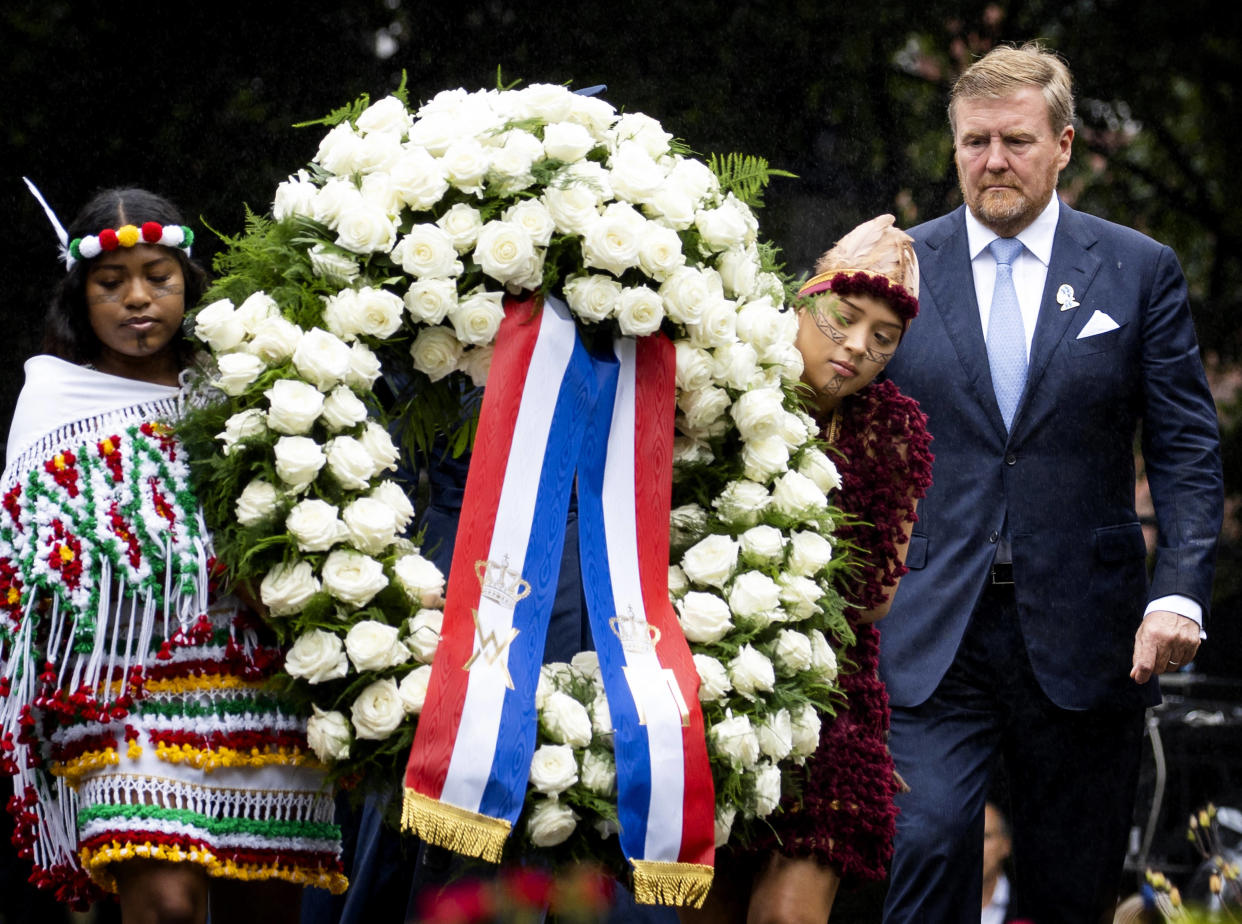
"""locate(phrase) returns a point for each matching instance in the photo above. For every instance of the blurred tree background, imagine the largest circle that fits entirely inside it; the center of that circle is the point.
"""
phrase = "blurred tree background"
(198, 101)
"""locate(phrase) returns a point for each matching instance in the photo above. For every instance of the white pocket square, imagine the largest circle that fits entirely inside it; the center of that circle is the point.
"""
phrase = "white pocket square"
(1098, 323)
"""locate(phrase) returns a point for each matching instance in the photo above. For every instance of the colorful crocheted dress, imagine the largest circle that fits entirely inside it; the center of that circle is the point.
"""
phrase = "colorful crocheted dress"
(135, 716)
(845, 816)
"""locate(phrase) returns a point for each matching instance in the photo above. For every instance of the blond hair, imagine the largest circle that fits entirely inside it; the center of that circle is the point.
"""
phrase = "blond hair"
(1007, 69)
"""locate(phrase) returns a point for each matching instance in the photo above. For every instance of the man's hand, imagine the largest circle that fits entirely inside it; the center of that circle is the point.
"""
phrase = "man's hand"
(1164, 642)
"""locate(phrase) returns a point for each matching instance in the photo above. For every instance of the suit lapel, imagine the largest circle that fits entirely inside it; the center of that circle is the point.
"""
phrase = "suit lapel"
(1071, 264)
(950, 279)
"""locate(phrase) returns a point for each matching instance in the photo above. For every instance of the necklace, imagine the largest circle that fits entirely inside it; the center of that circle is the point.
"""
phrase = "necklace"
(834, 427)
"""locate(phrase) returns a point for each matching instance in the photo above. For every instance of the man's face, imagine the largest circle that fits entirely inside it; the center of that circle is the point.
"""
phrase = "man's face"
(1008, 158)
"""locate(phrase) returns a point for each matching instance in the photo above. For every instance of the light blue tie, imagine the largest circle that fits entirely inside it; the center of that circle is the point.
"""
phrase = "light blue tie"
(1006, 335)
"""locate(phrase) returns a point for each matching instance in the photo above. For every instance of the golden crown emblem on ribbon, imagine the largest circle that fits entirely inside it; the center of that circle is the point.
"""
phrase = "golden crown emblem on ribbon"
(636, 634)
(500, 583)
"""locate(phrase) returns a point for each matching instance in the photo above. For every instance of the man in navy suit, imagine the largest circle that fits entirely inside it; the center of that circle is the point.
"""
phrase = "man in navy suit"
(1027, 631)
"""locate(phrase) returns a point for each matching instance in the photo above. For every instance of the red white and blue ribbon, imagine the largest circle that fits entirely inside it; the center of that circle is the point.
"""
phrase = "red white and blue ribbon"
(551, 410)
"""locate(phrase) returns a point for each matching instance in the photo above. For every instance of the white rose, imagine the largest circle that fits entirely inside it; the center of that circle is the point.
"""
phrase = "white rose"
(736, 364)
(340, 314)
(711, 561)
(716, 324)
(349, 462)
(295, 196)
(476, 318)
(390, 493)
(694, 367)
(767, 795)
(327, 733)
(634, 174)
(505, 252)
(436, 352)
(288, 587)
(532, 216)
(374, 646)
(553, 676)
(750, 672)
(241, 427)
(823, 658)
(413, 689)
(796, 495)
(256, 309)
(378, 711)
(462, 224)
(595, 114)
(379, 445)
(735, 739)
(275, 340)
(364, 367)
(639, 311)
(764, 457)
(601, 718)
(427, 252)
(429, 300)
(805, 731)
(342, 409)
(820, 469)
(761, 545)
(317, 657)
(293, 406)
(758, 413)
(809, 553)
(379, 313)
(611, 242)
(792, 653)
(705, 618)
(713, 678)
(755, 597)
(567, 142)
(645, 131)
(465, 165)
(800, 595)
(322, 359)
(237, 371)
(314, 525)
(425, 628)
(730, 225)
(550, 823)
(741, 503)
(371, 525)
(724, 824)
(477, 363)
(565, 720)
(298, 460)
(218, 326)
(586, 663)
(340, 151)
(553, 768)
(703, 406)
(364, 227)
(776, 735)
(739, 270)
(574, 208)
(592, 297)
(761, 324)
(688, 291)
(352, 577)
(256, 503)
(694, 178)
(334, 198)
(678, 583)
(510, 168)
(794, 431)
(599, 772)
(388, 115)
(417, 178)
(671, 204)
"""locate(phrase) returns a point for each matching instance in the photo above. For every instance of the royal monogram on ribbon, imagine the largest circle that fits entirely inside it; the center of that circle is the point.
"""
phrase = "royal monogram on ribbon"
(552, 411)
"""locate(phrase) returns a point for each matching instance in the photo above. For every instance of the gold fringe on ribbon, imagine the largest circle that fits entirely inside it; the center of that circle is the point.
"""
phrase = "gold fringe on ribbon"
(684, 884)
(456, 829)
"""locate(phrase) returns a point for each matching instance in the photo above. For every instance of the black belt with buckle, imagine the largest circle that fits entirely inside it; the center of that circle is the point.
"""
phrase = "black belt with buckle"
(1002, 572)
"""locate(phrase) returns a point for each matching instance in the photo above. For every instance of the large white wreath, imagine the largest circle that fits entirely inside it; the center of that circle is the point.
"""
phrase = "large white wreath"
(393, 250)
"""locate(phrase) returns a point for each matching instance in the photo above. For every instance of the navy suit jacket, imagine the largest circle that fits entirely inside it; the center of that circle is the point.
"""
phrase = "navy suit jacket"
(1065, 475)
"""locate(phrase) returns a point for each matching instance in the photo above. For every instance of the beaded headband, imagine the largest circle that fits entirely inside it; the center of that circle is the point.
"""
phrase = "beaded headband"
(862, 282)
(91, 246)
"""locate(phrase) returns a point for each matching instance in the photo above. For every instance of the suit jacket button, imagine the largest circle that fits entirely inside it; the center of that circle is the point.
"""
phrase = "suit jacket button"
(994, 537)
(1011, 459)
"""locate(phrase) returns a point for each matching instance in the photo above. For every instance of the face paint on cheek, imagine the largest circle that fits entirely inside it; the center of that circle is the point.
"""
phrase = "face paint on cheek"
(880, 359)
(173, 289)
(103, 298)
